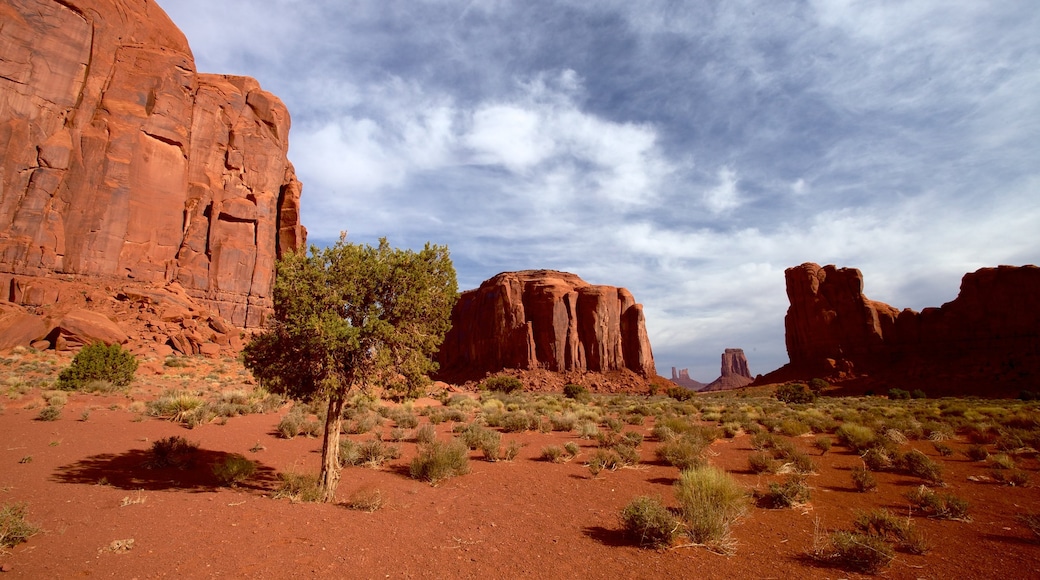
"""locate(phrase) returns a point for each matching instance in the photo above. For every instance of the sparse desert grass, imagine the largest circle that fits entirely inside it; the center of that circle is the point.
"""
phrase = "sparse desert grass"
(648, 523)
(884, 524)
(298, 487)
(173, 451)
(710, 500)
(49, 413)
(553, 454)
(439, 461)
(856, 551)
(858, 438)
(14, 528)
(920, 465)
(863, 479)
(940, 506)
(233, 470)
(823, 444)
(366, 499)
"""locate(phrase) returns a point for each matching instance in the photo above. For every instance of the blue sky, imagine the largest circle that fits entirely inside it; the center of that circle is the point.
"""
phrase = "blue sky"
(688, 151)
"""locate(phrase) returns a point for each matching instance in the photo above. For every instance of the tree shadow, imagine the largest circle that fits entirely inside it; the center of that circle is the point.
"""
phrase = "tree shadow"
(669, 481)
(607, 537)
(138, 469)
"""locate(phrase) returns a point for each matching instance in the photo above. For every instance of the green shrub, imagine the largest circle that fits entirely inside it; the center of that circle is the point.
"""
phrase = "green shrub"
(794, 393)
(234, 470)
(977, 453)
(791, 492)
(564, 422)
(918, 394)
(518, 422)
(426, 434)
(374, 453)
(942, 449)
(883, 524)
(14, 529)
(173, 451)
(553, 454)
(649, 523)
(49, 413)
(289, 426)
(571, 448)
(684, 452)
(490, 445)
(860, 552)
(1016, 477)
(898, 394)
(99, 362)
(349, 453)
(502, 383)
(439, 461)
(858, 438)
(679, 393)
(710, 500)
(793, 428)
(818, 385)
(920, 465)
(941, 506)
(406, 421)
(299, 487)
(823, 444)
(762, 463)
(572, 391)
(863, 479)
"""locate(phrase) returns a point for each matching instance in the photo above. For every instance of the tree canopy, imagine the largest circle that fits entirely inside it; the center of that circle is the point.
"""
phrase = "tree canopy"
(352, 316)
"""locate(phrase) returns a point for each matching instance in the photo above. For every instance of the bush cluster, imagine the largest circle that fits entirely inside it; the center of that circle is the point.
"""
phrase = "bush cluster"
(439, 461)
(99, 362)
(794, 393)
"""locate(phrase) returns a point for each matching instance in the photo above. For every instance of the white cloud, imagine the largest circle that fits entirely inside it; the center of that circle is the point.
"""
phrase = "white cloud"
(725, 196)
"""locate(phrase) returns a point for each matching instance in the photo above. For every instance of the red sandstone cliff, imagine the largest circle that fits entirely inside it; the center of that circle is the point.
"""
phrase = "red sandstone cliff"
(734, 372)
(542, 319)
(986, 340)
(120, 161)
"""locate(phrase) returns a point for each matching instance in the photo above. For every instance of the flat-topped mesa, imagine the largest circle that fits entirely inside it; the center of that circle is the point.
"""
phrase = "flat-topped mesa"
(544, 319)
(989, 333)
(121, 161)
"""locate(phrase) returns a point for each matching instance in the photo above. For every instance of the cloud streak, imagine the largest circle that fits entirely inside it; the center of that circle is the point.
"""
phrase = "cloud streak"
(687, 151)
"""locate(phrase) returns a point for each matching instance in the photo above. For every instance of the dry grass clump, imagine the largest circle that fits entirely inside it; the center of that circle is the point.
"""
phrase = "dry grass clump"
(941, 506)
(710, 500)
(439, 461)
(792, 492)
(14, 528)
(366, 499)
(174, 451)
(648, 523)
(299, 487)
(234, 470)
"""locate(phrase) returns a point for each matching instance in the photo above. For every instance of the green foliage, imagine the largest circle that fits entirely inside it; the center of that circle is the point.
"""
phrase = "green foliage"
(883, 524)
(685, 451)
(710, 500)
(941, 506)
(173, 451)
(49, 413)
(649, 523)
(14, 529)
(898, 394)
(863, 479)
(920, 465)
(572, 391)
(553, 454)
(680, 393)
(818, 385)
(860, 552)
(823, 444)
(502, 383)
(762, 463)
(99, 362)
(439, 461)
(234, 470)
(794, 393)
(858, 438)
(352, 316)
(789, 493)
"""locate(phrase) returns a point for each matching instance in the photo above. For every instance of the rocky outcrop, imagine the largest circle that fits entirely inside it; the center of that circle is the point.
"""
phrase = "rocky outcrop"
(120, 161)
(543, 319)
(682, 378)
(988, 335)
(734, 374)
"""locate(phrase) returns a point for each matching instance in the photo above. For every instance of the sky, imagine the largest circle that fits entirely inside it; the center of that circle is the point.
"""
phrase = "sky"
(688, 151)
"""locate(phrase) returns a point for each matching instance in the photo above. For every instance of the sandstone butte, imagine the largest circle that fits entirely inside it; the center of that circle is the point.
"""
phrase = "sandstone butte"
(734, 372)
(986, 341)
(548, 320)
(123, 165)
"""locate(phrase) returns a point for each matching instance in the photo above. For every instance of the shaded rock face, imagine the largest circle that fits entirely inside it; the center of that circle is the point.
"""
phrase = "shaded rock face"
(543, 319)
(989, 333)
(121, 161)
(734, 373)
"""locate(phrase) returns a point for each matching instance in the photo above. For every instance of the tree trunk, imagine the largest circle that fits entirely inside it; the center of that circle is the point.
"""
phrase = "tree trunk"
(328, 477)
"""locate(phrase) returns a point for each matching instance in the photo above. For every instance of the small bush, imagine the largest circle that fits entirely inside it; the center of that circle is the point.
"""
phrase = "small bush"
(572, 391)
(863, 479)
(860, 552)
(439, 461)
(942, 449)
(762, 463)
(898, 394)
(374, 453)
(684, 452)
(1002, 461)
(99, 362)
(883, 524)
(920, 465)
(941, 506)
(679, 393)
(823, 444)
(289, 426)
(1015, 477)
(298, 487)
(173, 451)
(571, 448)
(564, 422)
(502, 383)
(977, 453)
(234, 470)
(856, 437)
(918, 394)
(794, 393)
(818, 385)
(791, 492)
(406, 421)
(710, 500)
(553, 454)
(649, 523)
(366, 499)
(49, 413)
(587, 429)
(490, 445)
(14, 529)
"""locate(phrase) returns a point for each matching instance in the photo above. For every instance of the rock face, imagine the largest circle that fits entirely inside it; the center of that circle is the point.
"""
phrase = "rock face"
(120, 161)
(682, 378)
(734, 374)
(543, 319)
(989, 334)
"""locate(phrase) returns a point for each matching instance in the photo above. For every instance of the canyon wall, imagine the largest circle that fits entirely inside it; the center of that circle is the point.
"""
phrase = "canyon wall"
(543, 319)
(120, 161)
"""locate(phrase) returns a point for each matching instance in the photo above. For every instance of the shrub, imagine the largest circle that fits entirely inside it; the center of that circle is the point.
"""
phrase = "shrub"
(793, 491)
(553, 453)
(299, 487)
(406, 421)
(564, 422)
(289, 426)
(920, 465)
(942, 449)
(632, 438)
(649, 523)
(426, 434)
(762, 463)
(818, 385)
(490, 444)
(944, 506)
(823, 444)
(802, 463)
(571, 448)
(14, 529)
(502, 383)
(587, 429)
(1002, 461)
(679, 393)
(710, 500)
(794, 393)
(366, 499)
(49, 413)
(173, 451)
(898, 394)
(604, 459)
(977, 452)
(374, 453)
(519, 421)
(684, 452)
(856, 437)
(863, 479)
(793, 428)
(511, 451)
(572, 391)
(99, 362)
(1015, 477)
(348, 452)
(439, 461)
(234, 470)
(883, 524)
(860, 552)
(918, 394)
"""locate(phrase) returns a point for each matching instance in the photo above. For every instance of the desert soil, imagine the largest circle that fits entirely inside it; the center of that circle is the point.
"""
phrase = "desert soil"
(104, 514)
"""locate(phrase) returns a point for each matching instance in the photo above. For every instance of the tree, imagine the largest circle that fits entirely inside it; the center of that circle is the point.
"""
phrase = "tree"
(352, 316)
